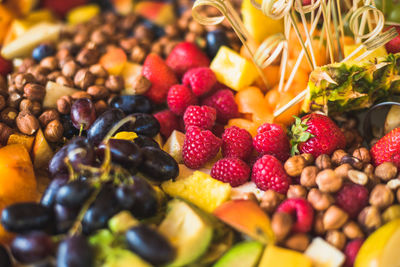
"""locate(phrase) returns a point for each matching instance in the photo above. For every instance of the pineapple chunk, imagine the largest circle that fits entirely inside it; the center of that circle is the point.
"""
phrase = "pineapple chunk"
(379, 52)
(174, 145)
(233, 70)
(53, 92)
(200, 189)
(82, 14)
(257, 24)
(276, 256)
(23, 45)
(324, 254)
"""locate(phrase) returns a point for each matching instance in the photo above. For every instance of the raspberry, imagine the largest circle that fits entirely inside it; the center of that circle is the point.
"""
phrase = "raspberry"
(302, 212)
(271, 139)
(352, 198)
(351, 251)
(201, 80)
(168, 122)
(179, 98)
(224, 102)
(201, 116)
(237, 143)
(231, 170)
(268, 173)
(199, 147)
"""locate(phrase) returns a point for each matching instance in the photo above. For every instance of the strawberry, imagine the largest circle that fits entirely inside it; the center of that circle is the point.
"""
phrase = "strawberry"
(160, 76)
(168, 122)
(62, 7)
(316, 134)
(387, 149)
(393, 46)
(186, 56)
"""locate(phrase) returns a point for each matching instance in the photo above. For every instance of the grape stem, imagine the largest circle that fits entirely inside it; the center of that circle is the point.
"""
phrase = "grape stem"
(81, 129)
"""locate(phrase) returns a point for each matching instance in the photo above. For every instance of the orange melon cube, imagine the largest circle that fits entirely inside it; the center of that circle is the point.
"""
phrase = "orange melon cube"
(114, 60)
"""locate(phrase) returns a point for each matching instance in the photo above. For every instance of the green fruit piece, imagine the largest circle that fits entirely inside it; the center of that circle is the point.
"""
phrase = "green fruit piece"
(189, 232)
(122, 222)
(123, 258)
(394, 14)
(245, 254)
(391, 213)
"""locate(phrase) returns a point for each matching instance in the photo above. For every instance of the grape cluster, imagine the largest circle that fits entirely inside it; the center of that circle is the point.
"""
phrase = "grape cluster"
(95, 177)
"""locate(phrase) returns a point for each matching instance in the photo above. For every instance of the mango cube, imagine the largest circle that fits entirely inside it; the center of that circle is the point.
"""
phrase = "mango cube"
(233, 70)
(282, 257)
(82, 14)
(200, 189)
(257, 24)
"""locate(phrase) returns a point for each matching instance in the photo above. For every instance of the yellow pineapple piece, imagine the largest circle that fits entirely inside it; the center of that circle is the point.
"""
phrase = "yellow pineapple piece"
(82, 13)
(174, 145)
(200, 189)
(257, 24)
(379, 52)
(282, 257)
(233, 70)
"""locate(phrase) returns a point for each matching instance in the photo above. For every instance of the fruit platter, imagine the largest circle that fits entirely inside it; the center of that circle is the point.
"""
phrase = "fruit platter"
(200, 133)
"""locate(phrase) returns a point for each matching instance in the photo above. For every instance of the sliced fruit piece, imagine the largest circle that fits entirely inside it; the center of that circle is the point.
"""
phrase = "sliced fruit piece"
(188, 231)
(25, 140)
(249, 99)
(184, 172)
(379, 52)
(276, 256)
(174, 145)
(23, 45)
(54, 91)
(42, 152)
(82, 14)
(121, 222)
(253, 18)
(392, 119)
(130, 72)
(247, 217)
(161, 13)
(200, 189)
(244, 254)
(123, 7)
(248, 125)
(381, 247)
(114, 60)
(324, 254)
(233, 70)
(249, 187)
(119, 257)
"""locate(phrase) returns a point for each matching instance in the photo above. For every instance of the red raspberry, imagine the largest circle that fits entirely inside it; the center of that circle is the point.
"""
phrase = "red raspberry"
(201, 80)
(237, 143)
(201, 116)
(168, 122)
(268, 173)
(301, 211)
(231, 170)
(199, 147)
(271, 139)
(351, 251)
(179, 98)
(352, 198)
(224, 102)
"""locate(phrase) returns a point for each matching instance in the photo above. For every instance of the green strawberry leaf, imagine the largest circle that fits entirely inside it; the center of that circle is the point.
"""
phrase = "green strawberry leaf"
(299, 134)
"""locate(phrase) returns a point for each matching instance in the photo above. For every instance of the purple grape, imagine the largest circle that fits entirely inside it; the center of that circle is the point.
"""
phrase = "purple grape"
(5, 260)
(75, 251)
(32, 247)
(49, 195)
(83, 113)
(64, 217)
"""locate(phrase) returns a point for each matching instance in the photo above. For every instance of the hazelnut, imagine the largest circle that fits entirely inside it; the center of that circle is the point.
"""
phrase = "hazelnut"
(336, 239)
(295, 165)
(319, 223)
(54, 131)
(244, 196)
(114, 83)
(83, 79)
(196, 28)
(386, 171)
(156, 48)
(64, 104)
(48, 116)
(343, 170)
(141, 32)
(100, 106)
(5, 133)
(80, 94)
(334, 218)
(320, 201)
(27, 123)
(370, 218)
(34, 92)
(270, 200)
(2, 102)
(281, 225)
(8, 116)
(309, 158)
(65, 81)
(393, 184)
(87, 57)
(362, 154)
(13, 100)
(98, 70)
(99, 37)
(49, 63)
(140, 85)
(172, 30)
(138, 54)
(54, 75)
(328, 181)
(381, 197)
(36, 108)
(352, 230)
(357, 177)
(69, 69)
(97, 92)
(296, 191)
(26, 105)
(308, 175)
(298, 241)
(323, 162)
(128, 44)
(337, 156)
(22, 79)
(353, 161)
(369, 170)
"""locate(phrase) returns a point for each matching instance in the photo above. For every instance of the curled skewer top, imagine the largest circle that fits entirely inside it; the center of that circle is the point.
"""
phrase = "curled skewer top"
(275, 9)
(362, 11)
(270, 49)
(218, 4)
(298, 5)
